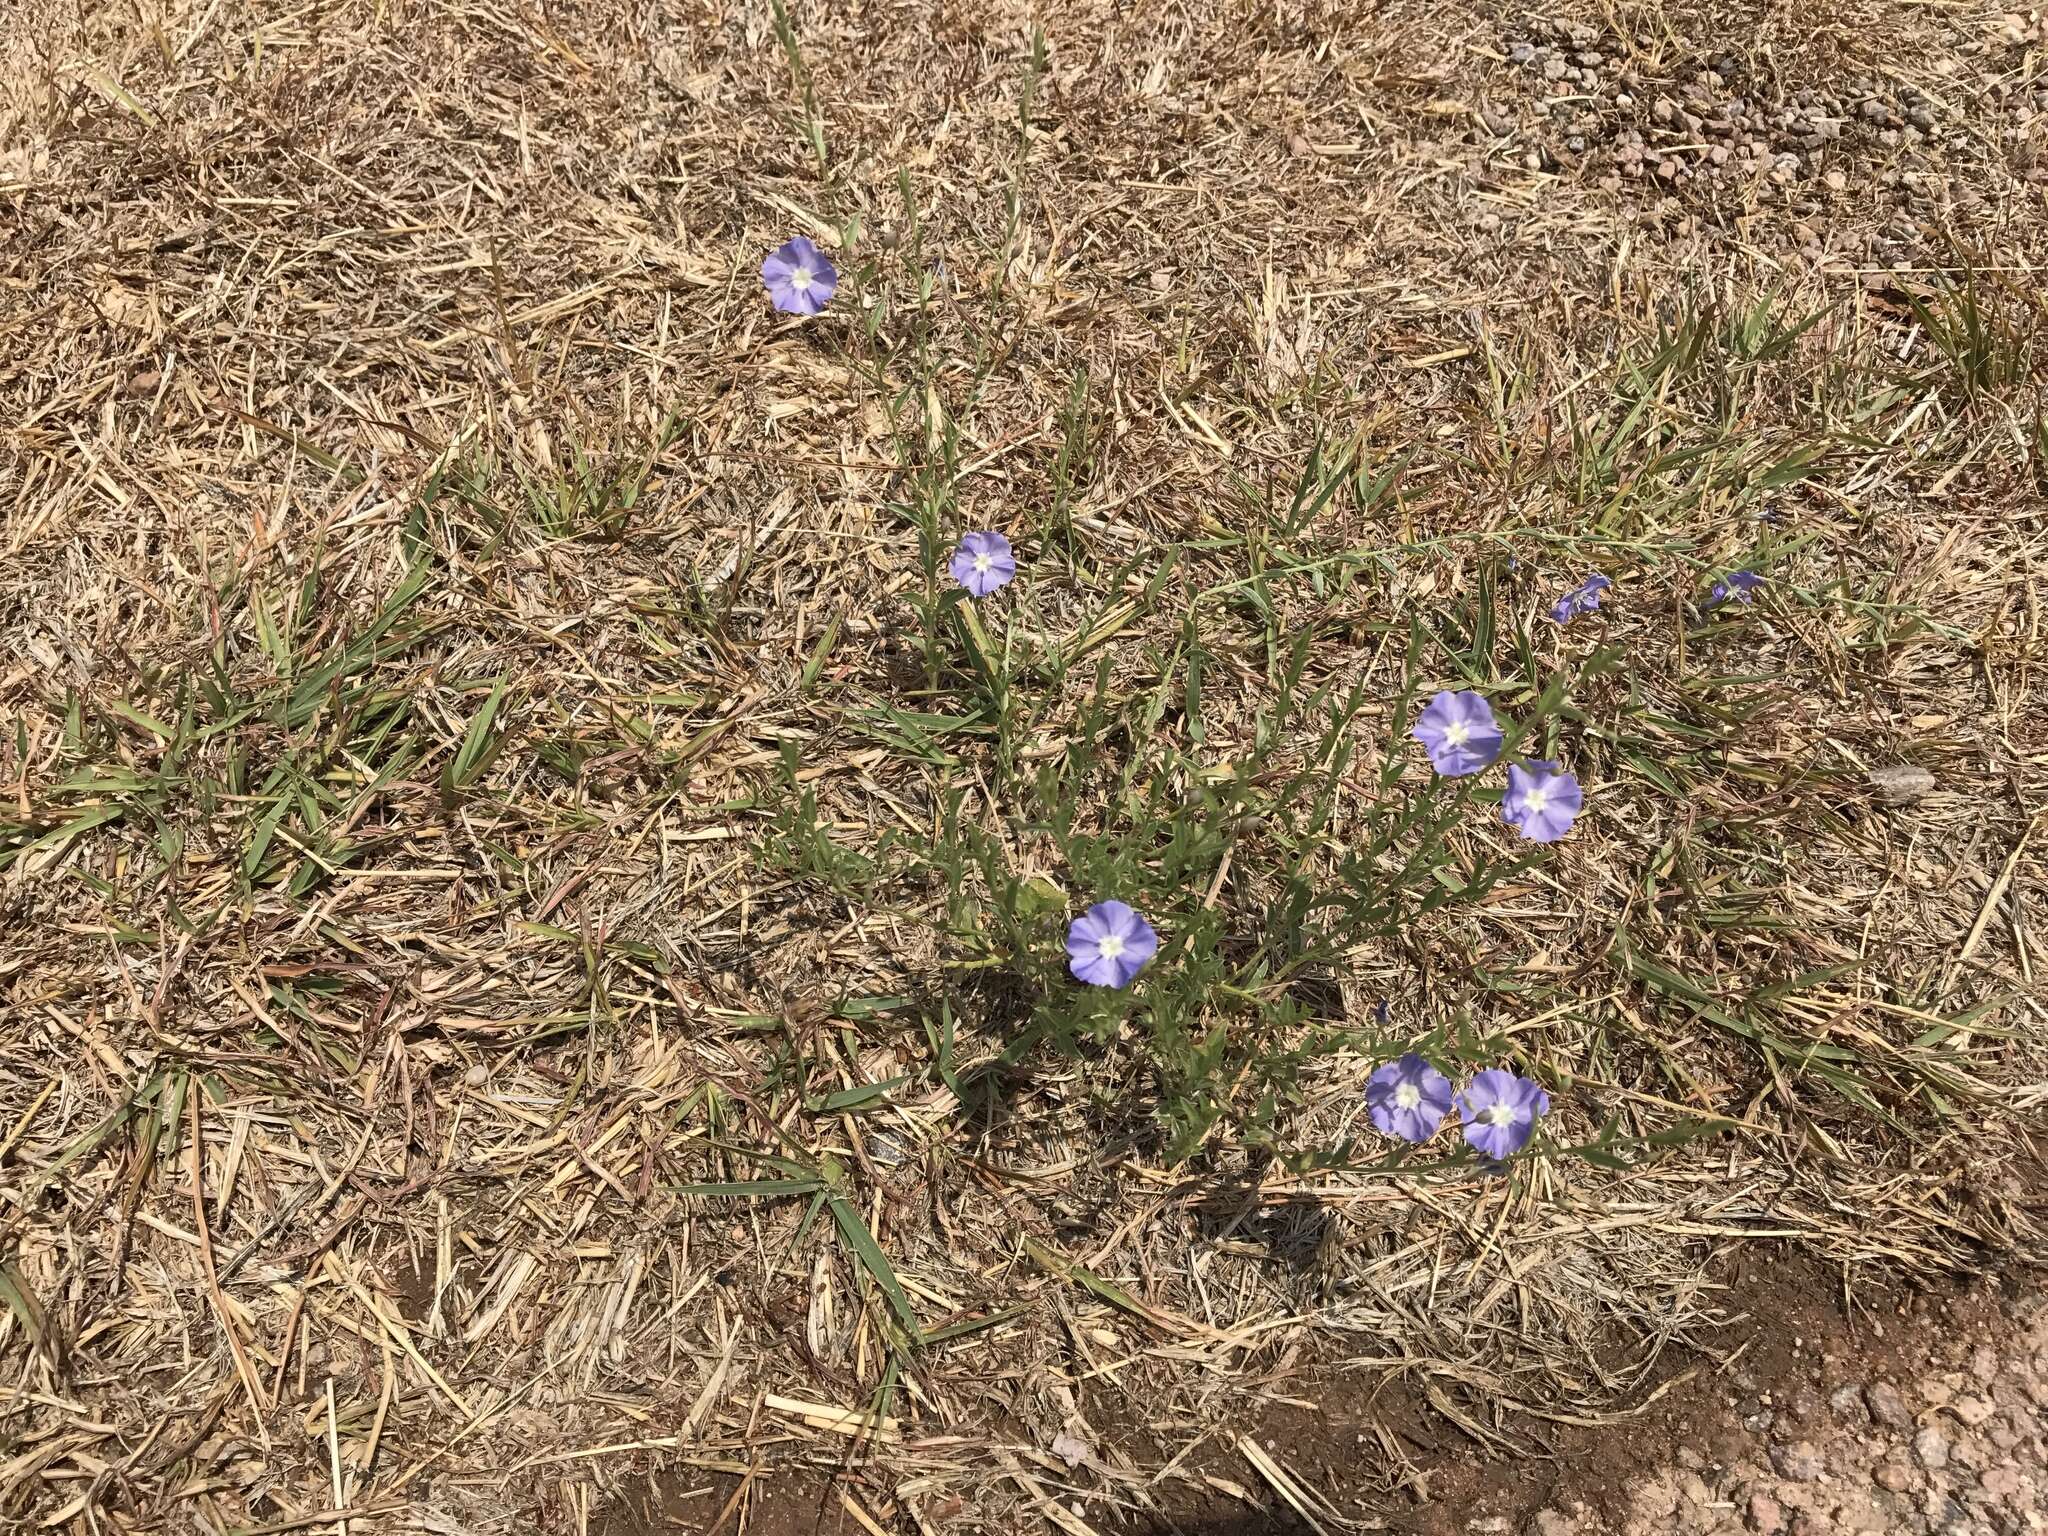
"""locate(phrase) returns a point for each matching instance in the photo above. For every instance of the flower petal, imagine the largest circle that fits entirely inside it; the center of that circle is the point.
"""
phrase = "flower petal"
(1097, 969)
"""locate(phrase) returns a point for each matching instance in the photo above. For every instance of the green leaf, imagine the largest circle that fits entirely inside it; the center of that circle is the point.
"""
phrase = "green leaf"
(870, 1254)
(974, 1324)
(1037, 896)
(149, 723)
(753, 1189)
(259, 838)
(819, 655)
(478, 738)
(1059, 1264)
(362, 652)
(21, 1302)
(478, 748)
(95, 816)
(854, 1097)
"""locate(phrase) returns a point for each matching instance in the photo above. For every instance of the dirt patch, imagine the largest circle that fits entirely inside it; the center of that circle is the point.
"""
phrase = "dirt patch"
(795, 1502)
(1796, 1361)
(411, 1279)
(1354, 1444)
(1821, 1415)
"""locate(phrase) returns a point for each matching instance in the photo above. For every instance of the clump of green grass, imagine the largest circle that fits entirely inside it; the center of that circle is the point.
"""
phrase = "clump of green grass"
(1982, 335)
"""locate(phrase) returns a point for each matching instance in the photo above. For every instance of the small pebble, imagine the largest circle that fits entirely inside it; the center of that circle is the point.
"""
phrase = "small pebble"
(1895, 1476)
(1887, 1406)
(2002, 1483)
(1931, 1448)
(1798, 1461)
(1973, 1411)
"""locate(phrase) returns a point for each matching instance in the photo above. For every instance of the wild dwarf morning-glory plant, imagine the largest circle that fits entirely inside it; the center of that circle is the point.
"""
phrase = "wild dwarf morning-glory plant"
(1500, 1110)
(1408, 1098)
(1459, 733)
(1740, 586)
(799, 277)
(1109, 944)
(1582, 599)
(983, 562)
(1542, 800)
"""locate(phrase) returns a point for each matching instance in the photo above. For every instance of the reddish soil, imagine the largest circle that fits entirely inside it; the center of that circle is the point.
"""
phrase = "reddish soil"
(798, 1502)
(1792, 1320)
(1792, 1345)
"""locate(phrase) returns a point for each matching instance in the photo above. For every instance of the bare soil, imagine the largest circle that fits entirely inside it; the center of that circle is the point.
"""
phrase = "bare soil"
(1798, 1368)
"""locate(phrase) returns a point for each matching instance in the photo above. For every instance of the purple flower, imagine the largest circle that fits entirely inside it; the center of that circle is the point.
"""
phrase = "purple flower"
(1408, 1098)
(1542, 800)
(1500, 1111)
(1582, 599)
(1738, 585)
(982, 563)
(1109, 944)
(1459, 732)
(800, 278)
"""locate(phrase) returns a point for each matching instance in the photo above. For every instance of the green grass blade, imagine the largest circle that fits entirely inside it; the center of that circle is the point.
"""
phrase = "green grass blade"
(875, 1262)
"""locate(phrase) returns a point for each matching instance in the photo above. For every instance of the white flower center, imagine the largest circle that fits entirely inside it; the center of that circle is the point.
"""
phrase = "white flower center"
(1407, 1096)
(800, 279)
(981, 564)
(1111, 946)
(1456, 733)
(1536, 800)
(1498, 1114)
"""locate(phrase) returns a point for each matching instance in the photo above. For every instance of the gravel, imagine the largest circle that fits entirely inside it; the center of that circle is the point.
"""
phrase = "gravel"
(1961, 1451)
(1729, 141)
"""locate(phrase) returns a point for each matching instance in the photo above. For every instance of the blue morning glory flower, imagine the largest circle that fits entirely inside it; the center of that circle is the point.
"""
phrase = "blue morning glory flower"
(982, 563)
(1500, 1111)
(1459, 733)
(1582, 599)
(1542, 800)
(1109, 944)
(1740, 586)
(1408, 1098)
(799, 277)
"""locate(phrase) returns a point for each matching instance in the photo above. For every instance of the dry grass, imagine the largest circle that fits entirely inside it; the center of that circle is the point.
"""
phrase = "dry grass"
(393, 914)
